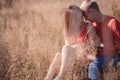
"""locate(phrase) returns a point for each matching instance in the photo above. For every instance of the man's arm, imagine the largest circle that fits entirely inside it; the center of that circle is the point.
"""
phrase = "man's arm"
(108, 38)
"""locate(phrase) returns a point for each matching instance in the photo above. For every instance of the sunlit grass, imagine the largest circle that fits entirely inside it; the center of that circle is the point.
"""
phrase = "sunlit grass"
(31, 32)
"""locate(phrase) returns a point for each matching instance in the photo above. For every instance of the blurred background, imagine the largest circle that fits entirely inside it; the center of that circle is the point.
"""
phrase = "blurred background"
(31, 32)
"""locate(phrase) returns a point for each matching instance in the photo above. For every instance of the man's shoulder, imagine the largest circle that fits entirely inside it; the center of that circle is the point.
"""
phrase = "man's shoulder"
(114, 24)
(111, 19)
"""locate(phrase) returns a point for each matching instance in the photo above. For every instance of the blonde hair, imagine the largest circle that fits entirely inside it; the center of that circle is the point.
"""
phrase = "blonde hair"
(73, 9)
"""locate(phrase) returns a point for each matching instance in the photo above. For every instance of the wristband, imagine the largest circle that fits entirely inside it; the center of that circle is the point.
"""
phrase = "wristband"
(102, 45)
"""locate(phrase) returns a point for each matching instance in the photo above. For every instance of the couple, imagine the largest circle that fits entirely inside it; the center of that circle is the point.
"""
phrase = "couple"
(80, 35)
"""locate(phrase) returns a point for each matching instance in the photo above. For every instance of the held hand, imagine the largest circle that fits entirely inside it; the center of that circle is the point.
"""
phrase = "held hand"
(90, 57)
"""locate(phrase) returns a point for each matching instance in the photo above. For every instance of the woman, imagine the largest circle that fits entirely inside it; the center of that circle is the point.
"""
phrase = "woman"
(80, 38)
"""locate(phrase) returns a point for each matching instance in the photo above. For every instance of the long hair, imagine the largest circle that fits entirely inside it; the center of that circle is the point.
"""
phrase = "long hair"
(71, 19)
(67, 18)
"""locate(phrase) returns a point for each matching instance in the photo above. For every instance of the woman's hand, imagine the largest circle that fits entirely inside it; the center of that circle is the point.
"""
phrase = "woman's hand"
(88, 56)
(91, 58)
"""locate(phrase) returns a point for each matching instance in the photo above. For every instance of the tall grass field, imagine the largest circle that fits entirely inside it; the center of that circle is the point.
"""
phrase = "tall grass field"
(31, 32)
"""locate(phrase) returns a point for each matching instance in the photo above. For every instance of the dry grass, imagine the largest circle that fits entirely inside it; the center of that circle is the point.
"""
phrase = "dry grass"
(31, 33)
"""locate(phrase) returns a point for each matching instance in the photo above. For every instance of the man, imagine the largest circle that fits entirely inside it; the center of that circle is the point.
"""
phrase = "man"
(108, 29)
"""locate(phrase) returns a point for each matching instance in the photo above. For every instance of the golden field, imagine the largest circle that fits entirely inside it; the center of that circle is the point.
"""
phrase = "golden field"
(31, 32)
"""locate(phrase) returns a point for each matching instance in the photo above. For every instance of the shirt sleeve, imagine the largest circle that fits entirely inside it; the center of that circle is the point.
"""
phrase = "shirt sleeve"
(115, 26)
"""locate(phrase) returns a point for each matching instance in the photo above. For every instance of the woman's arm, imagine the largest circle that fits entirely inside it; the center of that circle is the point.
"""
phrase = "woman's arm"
(93, 38)
(94, 43)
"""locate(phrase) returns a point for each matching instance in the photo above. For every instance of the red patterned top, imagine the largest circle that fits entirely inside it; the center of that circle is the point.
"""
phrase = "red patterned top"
(82, 38)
